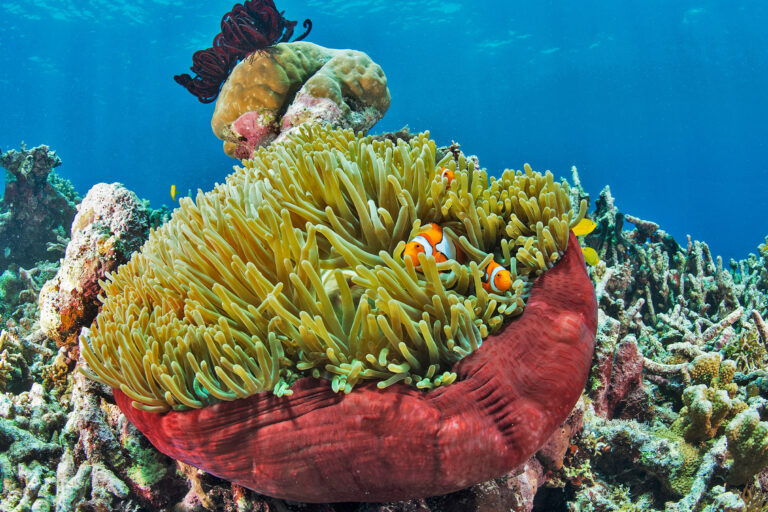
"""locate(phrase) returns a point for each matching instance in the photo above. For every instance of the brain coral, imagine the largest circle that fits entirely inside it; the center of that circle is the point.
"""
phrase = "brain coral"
(289, 278)
(288, 84)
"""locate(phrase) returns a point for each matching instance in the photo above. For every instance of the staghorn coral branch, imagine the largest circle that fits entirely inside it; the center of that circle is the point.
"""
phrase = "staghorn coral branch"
(711, 463)
(666, 369)
(717, 328)
(686, 348)
(760, 324)
(645, 226)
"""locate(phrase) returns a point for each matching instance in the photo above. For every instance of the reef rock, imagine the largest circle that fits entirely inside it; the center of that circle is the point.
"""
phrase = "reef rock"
(275, 90)
(110, 224)
(35, 207)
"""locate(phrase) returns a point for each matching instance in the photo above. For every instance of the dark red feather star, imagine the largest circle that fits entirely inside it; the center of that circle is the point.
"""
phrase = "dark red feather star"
(248, 27)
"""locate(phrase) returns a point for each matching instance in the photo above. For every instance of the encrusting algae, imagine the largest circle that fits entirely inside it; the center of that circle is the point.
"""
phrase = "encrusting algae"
(294, 266)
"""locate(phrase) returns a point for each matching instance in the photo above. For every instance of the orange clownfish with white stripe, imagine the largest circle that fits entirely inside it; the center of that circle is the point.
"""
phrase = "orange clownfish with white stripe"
(495, 278)
(448, 174)
(433, 243)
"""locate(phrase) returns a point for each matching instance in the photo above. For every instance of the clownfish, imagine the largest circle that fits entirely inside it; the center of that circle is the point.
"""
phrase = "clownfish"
(447, 174)
(431, 243)
(496, 278)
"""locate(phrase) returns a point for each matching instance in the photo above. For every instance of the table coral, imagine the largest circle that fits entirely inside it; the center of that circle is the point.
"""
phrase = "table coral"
(293, 270)
(279, 88)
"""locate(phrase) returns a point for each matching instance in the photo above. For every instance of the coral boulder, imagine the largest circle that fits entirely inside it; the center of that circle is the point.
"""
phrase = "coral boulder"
(283, 86)
(110, 224)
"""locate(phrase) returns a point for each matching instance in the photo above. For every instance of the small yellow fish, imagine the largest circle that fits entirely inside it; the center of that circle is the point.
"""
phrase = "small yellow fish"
(496, 278)
(432, 242)
(173, 192)
(590, 256)
(584, 227)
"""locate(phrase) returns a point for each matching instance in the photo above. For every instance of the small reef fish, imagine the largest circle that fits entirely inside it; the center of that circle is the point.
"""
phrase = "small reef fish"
(585, 227)
(432, 243)
(496, 278)
(173, 192)
(590, 256)
(447, 174)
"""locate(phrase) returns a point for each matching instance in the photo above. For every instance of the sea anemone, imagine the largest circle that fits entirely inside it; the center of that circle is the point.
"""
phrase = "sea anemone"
(248, 27)
(280, 309)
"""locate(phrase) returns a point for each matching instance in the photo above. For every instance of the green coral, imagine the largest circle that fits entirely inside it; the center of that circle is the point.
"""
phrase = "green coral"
(747, 350)
(748, 445)
(604, 498)
(704, 411)
(711, 401)
(656, 452)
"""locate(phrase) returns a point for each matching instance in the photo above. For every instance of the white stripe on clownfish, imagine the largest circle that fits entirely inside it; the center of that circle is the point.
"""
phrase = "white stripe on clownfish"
(432, 242)
(446, 247)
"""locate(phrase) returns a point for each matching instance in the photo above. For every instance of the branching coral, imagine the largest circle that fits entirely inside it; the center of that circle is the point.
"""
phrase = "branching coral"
(6, 370)
(648, 271)
(747, 350)
(14, 373)
(711, 401)
(293, 267)
(748, 445)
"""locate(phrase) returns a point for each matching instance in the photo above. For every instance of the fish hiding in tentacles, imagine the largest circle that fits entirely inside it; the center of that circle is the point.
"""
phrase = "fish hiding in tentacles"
(446, 173)
(432, 242)
(496, 279)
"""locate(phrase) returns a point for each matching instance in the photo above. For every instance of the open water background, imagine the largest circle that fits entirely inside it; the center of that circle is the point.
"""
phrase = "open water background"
(665, 101)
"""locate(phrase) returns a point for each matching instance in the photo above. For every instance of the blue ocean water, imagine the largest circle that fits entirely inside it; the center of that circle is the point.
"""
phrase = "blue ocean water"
(665, 101)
